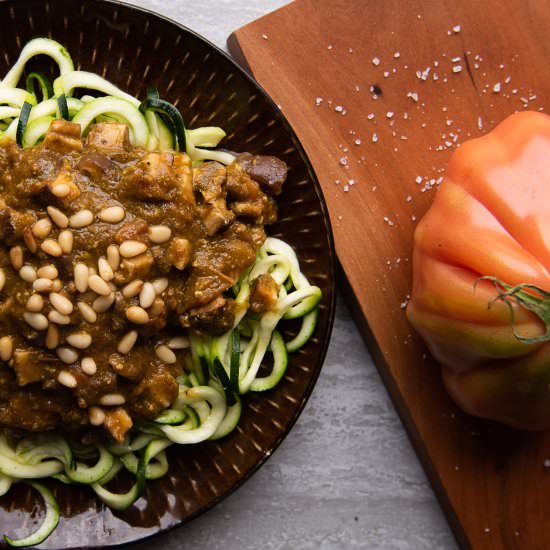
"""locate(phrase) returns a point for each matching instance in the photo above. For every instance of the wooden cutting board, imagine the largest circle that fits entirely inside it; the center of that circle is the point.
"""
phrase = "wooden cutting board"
(381, 93)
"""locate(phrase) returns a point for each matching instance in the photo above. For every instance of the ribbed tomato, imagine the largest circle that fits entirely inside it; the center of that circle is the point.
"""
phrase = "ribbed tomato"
(485, 237)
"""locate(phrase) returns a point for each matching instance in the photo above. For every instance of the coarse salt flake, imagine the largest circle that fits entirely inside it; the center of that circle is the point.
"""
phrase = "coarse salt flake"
(389, 114)
(457, 69)
(318, 101)
(338, 108)
(457, 29)
(374, 138)
(413, 96)
(264, 36)
(357, 142)
(496, 88)
(376, 61)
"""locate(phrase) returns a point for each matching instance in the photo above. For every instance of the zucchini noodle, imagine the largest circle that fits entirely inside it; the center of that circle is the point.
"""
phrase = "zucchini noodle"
(218, 370)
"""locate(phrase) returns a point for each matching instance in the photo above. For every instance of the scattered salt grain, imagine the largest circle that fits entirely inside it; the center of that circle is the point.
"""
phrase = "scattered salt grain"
(389, 114)
(344, 161)
(264, 36)
(496, 88)
(418, 179)
(318, 101)
(456, 59)
(397, 55)
(457, 69)
(374, 138)
(456, 29)
(357, 88)
(386, 74)
(376, 61)
(329, 47)
(370, 116)
(413, 96)
(357, 142)
(338, 108)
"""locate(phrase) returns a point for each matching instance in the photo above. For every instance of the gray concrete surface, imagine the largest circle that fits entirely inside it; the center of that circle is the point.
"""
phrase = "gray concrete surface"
(346, 476)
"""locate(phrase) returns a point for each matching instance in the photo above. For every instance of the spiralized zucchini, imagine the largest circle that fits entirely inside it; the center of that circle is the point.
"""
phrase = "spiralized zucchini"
(218, 370)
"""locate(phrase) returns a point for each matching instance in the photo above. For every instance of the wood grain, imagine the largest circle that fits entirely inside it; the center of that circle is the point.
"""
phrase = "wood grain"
(319, 62)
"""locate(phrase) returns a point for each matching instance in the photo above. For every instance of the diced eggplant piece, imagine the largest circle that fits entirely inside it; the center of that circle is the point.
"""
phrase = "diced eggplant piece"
(179, 252)
(118, 423)
(109, 136)
(31, 365)
(209, 179)
(134, 268)
(96, 166)
(63, 136)
(216, 216)
(269, 171)
(239, 185)
(216, 317)
(263, 294)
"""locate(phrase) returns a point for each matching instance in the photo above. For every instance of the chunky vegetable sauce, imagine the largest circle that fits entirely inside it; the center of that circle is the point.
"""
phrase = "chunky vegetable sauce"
(107, 253)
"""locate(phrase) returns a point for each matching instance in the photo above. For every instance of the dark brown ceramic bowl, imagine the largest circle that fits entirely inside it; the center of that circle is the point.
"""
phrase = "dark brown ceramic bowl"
(135, 48)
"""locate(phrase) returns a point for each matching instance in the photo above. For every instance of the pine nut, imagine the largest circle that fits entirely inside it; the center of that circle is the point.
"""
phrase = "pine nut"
(102, 303)
(179, 342)
(88, 365)
(147, 295)
(58, 217)
(29, 239)
(127, 342)
(48, 271)
(130, 249)
(132, 289)
(157, 308)
(113, 256)
(81, 276)
(165, 354)
(35, 303)
(52, 337)
(66, 379)
(66, 241)
(43, 285)
(28, 274)
(61, 190)
(80, 340)
(67, 355)
(57, 285)
(96, 416)
(112, 399)
(6, 348)
(2, 279)
(105, 270)
(41, 229)
(58, 318)
(62, 304)
(112, 214)
(16, 257)
(160, 233)
(81, 219)
(137, 315)
(98, 285)
(160, 285)
(36, 320)
(87, 312)
(51, 247)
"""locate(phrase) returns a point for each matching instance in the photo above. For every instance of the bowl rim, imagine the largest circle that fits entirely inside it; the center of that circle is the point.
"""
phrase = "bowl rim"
(331, 252)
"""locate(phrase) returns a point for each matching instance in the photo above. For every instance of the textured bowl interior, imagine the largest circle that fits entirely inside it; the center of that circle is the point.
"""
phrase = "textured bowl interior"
(134, 49)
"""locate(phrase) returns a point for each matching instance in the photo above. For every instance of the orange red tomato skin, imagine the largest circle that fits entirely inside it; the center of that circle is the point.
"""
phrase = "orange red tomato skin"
(490, 217)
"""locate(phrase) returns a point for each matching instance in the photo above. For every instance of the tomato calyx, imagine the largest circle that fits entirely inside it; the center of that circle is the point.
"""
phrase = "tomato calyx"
(529, 296)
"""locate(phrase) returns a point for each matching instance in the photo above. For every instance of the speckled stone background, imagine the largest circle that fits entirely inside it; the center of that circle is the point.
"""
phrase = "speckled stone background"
(346, 476)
